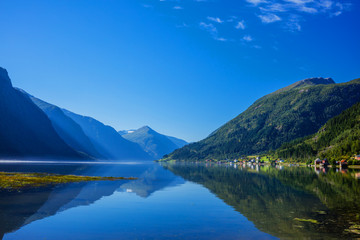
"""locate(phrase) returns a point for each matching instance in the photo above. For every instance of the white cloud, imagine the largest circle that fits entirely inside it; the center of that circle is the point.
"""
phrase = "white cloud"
(293, 24)
(326, 4)
(299, 1)
(307, 9)
(256, 2)
(269, 18)
(231, 19)
(215, 19)
(240, 25)
(275, 7)
(332, 7)
(220, 39)
(177, 7)
(247, 38)
(209, 27)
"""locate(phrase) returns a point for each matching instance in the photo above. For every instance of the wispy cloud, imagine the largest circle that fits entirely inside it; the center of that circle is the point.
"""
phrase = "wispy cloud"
(248, 38)
(288, 14)
(305, 6)
(277, 10)
(209, 27)
(240, 25)
(231, 19)
(221, 39)
(256, 2)
(215, 19)
(269, 18)
(293, 23)
(178, 8)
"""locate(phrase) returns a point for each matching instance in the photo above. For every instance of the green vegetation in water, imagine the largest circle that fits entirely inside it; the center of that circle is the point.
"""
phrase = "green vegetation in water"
(306, 220)
(17, 181)
(355, 229)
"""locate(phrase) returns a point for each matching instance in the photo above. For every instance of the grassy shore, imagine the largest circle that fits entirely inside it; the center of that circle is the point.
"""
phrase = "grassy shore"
(17, 181)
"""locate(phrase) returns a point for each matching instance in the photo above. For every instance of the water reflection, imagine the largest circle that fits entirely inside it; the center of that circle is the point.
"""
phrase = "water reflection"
(168, 202)
(286, 202)
(19, 208)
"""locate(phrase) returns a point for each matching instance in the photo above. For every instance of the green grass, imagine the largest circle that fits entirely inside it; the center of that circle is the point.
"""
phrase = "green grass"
(306, 220)
(17, 181)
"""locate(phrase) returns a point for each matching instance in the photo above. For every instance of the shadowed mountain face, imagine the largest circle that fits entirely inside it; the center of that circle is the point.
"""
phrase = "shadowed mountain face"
(67, 128)
(154, 143)
(25, 131)
(287, 114)
(107, 141)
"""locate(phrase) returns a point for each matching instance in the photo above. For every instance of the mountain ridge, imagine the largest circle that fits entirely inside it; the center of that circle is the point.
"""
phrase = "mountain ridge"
(154, 143)
(66, 128)
(274, 119)
(107, 141)
(25, 130)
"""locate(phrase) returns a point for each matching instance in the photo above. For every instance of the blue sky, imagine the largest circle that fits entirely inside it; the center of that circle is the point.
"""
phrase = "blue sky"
(183, 67)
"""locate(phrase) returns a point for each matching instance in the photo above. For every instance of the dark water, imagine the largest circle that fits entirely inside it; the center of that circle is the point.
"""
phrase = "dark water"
(183, 201)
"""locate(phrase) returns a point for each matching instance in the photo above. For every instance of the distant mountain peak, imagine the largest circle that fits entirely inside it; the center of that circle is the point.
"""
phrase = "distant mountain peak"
(306, 83)
(154, 143)
(4, 78)
(147, 128)
(317, 80)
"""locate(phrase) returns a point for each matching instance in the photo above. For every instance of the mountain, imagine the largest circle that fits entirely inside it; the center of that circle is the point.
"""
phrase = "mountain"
(306, 83)
(25, 130)
(282, 116)
(123, 132)
(339, 138)
(107, 141)
(178, 142)
(154, 143)
(66, 128)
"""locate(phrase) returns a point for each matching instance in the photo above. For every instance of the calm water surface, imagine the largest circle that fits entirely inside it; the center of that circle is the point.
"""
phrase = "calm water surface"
(183, 201)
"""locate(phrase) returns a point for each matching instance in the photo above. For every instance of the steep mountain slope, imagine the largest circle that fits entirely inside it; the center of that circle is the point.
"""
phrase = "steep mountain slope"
(296, 111)
(154, 143)
(107, 141)
(66, 128)
(25, 131)
(178, 142)
(339, 138)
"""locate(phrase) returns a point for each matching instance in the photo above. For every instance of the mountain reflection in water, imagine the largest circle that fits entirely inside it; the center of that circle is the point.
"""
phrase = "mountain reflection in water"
(19, 208)
(183, 201)
(286, 202)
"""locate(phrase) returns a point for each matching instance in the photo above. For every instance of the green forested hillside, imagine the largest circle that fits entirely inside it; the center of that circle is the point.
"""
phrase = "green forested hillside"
(293, 112)
(338, 139)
